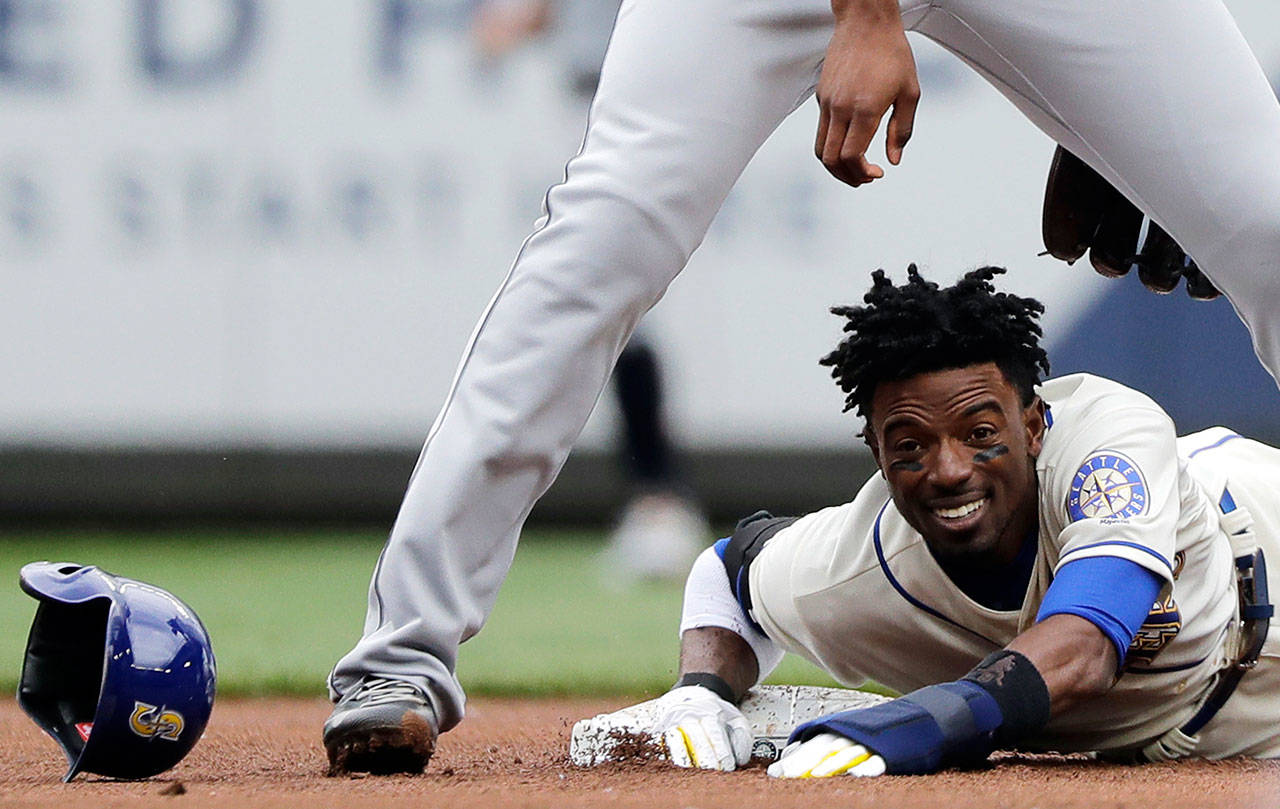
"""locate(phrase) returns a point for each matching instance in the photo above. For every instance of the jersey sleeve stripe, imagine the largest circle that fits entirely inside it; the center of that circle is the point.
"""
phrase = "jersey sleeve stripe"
(1071, 553)
(1214, 445)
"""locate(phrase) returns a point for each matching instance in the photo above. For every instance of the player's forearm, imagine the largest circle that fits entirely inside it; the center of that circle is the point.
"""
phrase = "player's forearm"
(1010, 695)
(717, 634)
(713, 650)
(698, 719)
(998, 703)
(1074, 657)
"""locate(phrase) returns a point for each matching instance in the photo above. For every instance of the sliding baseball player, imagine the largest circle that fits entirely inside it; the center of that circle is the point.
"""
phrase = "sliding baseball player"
(1037, 566)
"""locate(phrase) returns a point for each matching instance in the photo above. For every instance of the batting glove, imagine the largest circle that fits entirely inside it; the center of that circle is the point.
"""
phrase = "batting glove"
(699, 729)
(826, 755)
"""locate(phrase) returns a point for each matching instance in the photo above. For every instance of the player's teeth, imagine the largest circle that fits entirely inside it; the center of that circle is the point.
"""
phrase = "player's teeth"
(959, 511)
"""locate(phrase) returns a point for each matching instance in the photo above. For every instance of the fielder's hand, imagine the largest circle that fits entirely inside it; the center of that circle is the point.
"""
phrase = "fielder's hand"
(826, 755)
(701, 730)
(868, 70)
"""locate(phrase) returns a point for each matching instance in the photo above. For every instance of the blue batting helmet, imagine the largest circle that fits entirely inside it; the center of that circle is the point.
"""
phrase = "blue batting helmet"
(119, 672)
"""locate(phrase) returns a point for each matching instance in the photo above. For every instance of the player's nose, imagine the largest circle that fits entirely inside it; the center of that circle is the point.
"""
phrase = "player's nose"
(952, 466)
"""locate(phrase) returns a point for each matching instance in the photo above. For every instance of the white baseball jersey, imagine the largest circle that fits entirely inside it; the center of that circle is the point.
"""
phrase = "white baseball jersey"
(854, 588)
(1164, 99)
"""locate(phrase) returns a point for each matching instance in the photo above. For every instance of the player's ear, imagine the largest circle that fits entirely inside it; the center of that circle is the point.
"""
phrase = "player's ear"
(1035, 423)
(869, 438)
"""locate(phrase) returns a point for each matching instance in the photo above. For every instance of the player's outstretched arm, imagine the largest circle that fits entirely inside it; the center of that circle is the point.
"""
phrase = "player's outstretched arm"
(722, 654)
(868, 69)
(698, 719)
(1053, 666)
(1000, 701)
(1073, 657)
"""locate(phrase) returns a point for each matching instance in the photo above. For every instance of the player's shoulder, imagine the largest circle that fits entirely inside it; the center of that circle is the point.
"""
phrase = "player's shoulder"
(1088, 408)
(1094, 422)
(1081, 395)
(845, 522)
(836, 542)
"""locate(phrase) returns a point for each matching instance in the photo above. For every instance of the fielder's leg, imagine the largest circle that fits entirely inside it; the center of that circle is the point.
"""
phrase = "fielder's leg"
(689, 90)
(1167, 102)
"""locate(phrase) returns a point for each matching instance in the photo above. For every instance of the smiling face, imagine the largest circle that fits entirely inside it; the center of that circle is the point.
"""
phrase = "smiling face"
(958, 450)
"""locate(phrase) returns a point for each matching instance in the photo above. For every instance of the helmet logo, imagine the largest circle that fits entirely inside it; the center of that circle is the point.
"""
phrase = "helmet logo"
(149, 722)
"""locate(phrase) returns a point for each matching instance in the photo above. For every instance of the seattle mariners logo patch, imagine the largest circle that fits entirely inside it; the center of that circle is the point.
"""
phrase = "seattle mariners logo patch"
(764, 749)
(1107, 486)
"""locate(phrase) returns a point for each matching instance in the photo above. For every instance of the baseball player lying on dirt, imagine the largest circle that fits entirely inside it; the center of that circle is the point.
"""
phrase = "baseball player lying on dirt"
(1038, 565)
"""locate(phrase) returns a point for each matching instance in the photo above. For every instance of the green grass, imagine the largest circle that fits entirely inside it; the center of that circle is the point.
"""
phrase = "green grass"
(282, 607)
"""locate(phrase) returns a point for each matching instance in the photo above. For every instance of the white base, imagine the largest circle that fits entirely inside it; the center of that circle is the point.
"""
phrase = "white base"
(772, 710)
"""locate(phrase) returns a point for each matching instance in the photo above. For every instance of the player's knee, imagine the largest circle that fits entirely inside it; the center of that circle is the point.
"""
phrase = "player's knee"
(667, 210)
(617, 244)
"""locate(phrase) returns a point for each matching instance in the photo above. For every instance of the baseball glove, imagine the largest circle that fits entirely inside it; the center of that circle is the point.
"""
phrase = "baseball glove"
(1083, 212)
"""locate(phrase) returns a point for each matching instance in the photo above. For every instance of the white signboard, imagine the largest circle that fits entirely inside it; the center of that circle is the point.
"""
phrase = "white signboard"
(274, 222)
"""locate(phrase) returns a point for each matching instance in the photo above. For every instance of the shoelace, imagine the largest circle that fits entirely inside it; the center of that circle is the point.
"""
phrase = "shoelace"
(377, 691)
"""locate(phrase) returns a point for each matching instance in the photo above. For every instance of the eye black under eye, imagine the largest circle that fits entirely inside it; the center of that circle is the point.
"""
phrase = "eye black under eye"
(991, 453)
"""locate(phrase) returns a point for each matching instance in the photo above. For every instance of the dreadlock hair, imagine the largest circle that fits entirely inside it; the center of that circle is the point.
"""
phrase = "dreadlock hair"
(916, 328)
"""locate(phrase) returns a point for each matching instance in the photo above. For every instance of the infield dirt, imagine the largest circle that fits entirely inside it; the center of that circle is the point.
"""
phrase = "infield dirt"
(514, 753)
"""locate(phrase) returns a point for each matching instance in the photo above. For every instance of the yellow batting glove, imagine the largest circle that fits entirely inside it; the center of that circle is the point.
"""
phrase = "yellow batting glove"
(826, 755)
(700, 730)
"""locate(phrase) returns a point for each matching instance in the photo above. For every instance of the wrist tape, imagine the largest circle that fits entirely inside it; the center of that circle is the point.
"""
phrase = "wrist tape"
(1017, 687)
(712, 682)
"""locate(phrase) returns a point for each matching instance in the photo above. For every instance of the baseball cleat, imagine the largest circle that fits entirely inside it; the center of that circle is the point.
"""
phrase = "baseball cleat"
(381, 727)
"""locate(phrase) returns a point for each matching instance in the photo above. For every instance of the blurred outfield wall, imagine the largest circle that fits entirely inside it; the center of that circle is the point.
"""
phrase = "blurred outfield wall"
(243, 242)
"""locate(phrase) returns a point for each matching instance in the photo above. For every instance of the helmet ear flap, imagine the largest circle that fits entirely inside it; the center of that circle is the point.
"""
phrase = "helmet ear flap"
(62, 671)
